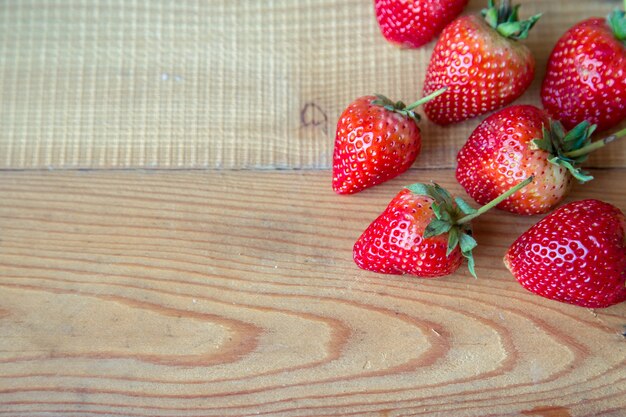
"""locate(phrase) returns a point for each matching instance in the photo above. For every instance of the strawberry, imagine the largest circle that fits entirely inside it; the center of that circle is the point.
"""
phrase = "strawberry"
(482, 63)
(519, 141)
(586, 75)
(376, 140)
(416, 22)
(422, 232)
(576, 255)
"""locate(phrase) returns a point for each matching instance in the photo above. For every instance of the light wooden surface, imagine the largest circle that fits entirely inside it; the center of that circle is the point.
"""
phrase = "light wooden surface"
(216, 83)
(169, 283)
(234, 294)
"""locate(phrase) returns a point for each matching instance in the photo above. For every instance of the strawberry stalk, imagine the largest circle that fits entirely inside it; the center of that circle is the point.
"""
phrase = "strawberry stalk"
(505, 10)
(401, 108)
(495, 201)
(596, 145)
(429, 97)
(453, 216)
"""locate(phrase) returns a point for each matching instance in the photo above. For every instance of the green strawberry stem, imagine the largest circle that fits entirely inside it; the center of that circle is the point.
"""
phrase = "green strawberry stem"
(401, 108)
(496, 201)
(505, 6)
(596, 145)
(426, 99)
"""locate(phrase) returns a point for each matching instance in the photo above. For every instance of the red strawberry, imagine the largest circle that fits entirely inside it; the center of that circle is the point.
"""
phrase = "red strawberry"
(517, 142)
(423, 232)
(376, 140)
(481, 62)
(586, 75)
(576, 255)
(416, 22)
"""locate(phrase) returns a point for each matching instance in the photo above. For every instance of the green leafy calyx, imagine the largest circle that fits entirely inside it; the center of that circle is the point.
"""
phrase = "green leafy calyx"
(453, 216)
(617, 22)
(565, 148)
(505, 20)
(401, 108)
(448, 212)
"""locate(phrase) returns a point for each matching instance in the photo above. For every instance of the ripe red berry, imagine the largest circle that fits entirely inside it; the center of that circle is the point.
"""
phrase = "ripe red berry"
(576, 255)
(481, 61)
(395, 242)
(376, 140)
(586, 74)
(517, 142)
(414, 23)
(422, 232)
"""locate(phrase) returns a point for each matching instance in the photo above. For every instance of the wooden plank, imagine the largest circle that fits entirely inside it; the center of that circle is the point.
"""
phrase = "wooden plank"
(215, 84)
(234, 294)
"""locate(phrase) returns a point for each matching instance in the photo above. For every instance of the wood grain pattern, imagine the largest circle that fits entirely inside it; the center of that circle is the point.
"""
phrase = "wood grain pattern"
(205, 294)
(216, 83)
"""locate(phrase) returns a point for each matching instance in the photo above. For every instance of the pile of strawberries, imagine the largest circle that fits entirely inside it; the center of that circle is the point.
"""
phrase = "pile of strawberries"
(521, 159)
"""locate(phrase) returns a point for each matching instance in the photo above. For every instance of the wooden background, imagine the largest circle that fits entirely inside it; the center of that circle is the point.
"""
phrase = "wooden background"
(170, 244)
(255, 84)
